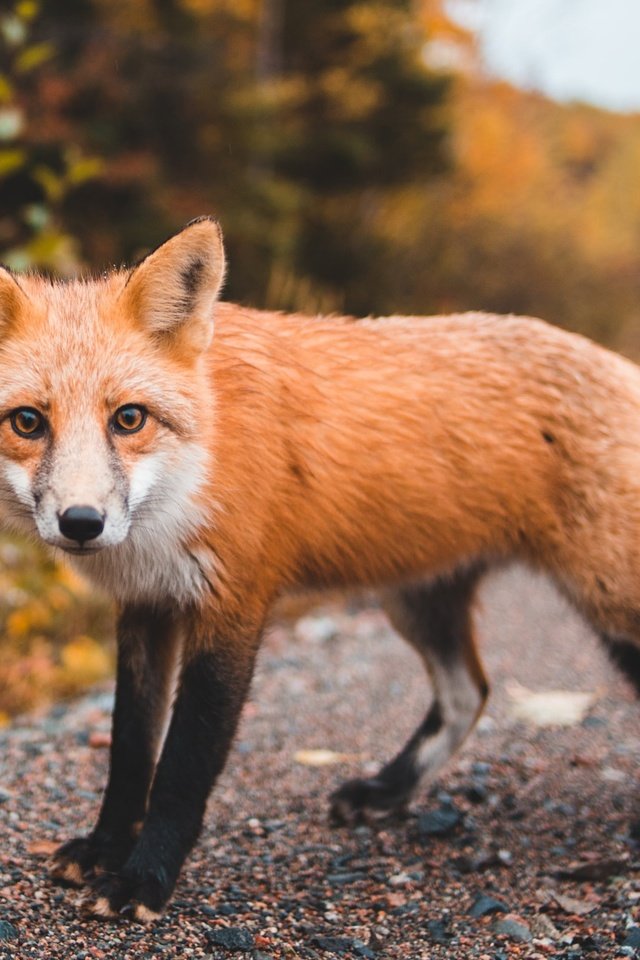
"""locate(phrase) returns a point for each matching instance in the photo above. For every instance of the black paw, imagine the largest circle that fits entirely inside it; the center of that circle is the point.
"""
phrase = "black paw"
(351, 802)
(78, 860)
(126, 895)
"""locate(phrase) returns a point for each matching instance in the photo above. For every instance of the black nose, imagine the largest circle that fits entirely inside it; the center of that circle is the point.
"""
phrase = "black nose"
(81, 523)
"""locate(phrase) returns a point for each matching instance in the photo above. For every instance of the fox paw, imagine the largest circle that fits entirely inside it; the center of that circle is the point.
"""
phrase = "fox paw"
(124, 896)
(351, 802)
(76, 861)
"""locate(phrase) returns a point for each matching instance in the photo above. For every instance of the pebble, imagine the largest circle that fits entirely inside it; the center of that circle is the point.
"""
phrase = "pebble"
(476, 793)
(439, 823)
(514, 928)
(344, 945)
(484, 905)
(7, 931)
(633, 938)
(439, 931)
(236, 939)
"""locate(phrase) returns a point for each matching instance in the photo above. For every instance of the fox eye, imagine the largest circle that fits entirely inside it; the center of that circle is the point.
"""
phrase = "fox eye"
(129, 419)
(27, 422)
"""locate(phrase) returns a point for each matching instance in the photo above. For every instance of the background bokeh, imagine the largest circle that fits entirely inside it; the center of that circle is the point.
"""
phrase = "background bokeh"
(360, 158)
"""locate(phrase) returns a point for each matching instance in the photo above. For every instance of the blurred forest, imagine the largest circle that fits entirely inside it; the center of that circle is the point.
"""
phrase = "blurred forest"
(351, 172)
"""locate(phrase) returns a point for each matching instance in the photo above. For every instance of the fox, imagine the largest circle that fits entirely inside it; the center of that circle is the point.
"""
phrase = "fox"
(198, 460)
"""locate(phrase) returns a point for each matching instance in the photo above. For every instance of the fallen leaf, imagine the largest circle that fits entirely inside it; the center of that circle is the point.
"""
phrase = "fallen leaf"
(99, 740)
(548, 708)
(541, 926)
(43, 848)
(573, 906)
(319, 758)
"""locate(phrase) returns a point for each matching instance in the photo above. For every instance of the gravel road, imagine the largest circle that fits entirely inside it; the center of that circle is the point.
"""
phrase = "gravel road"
(528, 846)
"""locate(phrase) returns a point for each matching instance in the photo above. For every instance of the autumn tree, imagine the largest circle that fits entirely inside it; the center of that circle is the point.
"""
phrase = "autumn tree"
(289, 121)
(40, 162)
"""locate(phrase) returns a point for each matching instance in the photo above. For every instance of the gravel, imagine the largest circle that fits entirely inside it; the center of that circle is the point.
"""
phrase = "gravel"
(546, 819)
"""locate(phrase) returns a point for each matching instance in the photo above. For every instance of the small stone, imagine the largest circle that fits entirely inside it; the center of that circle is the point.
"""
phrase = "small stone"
(438, 823)
(594, 722)
(339, 879)
(339, 945)
(235, 939)
(438, 931)
(344, 945)
(7, 931)
(514, 928)
(362, 950)
(476, 793)
(633, 938)
(480, 769)
(485, 905)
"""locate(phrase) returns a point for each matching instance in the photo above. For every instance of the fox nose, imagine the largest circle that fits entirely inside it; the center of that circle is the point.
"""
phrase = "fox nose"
(81, 523)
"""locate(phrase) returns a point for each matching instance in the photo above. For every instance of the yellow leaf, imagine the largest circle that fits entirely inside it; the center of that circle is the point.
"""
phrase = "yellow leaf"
(52, 185)
(84, 169)
(548, 708)
(11, 160)
(6, 90)
(27, 9)
(33, 616)
(84, 660)
(34, 56)
(319, 758)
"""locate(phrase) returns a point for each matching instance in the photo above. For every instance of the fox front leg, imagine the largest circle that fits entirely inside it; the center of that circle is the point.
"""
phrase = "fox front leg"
(148, 648)
(213, 686)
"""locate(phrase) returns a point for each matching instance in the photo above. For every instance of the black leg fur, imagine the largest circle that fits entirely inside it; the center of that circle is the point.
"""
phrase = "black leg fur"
(146, 654)
(436, 620)
(212, 691)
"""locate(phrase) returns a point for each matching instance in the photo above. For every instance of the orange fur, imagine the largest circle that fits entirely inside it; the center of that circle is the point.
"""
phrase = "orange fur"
(375, 451)
(343, 452)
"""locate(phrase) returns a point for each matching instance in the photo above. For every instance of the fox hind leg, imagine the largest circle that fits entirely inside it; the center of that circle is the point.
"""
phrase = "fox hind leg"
(436, 619)
(626, 656)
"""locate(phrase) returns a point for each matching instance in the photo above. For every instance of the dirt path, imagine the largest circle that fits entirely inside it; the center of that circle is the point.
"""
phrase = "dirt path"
(539, 855)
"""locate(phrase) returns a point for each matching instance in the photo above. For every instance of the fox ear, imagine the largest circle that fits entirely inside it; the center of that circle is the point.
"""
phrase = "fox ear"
(172, 292)
(12, 298)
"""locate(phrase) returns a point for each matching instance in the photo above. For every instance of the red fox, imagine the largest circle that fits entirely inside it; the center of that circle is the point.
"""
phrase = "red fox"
(199, 459)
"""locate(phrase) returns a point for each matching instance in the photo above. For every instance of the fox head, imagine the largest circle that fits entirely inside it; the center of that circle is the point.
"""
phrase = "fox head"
(104, 407)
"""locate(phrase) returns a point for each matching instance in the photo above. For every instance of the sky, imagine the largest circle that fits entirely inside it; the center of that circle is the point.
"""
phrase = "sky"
(569, 49)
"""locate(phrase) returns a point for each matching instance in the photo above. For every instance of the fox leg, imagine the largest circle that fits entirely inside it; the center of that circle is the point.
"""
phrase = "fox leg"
(626, 656)
(436, 620)
(148, 650)
(213, 686)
